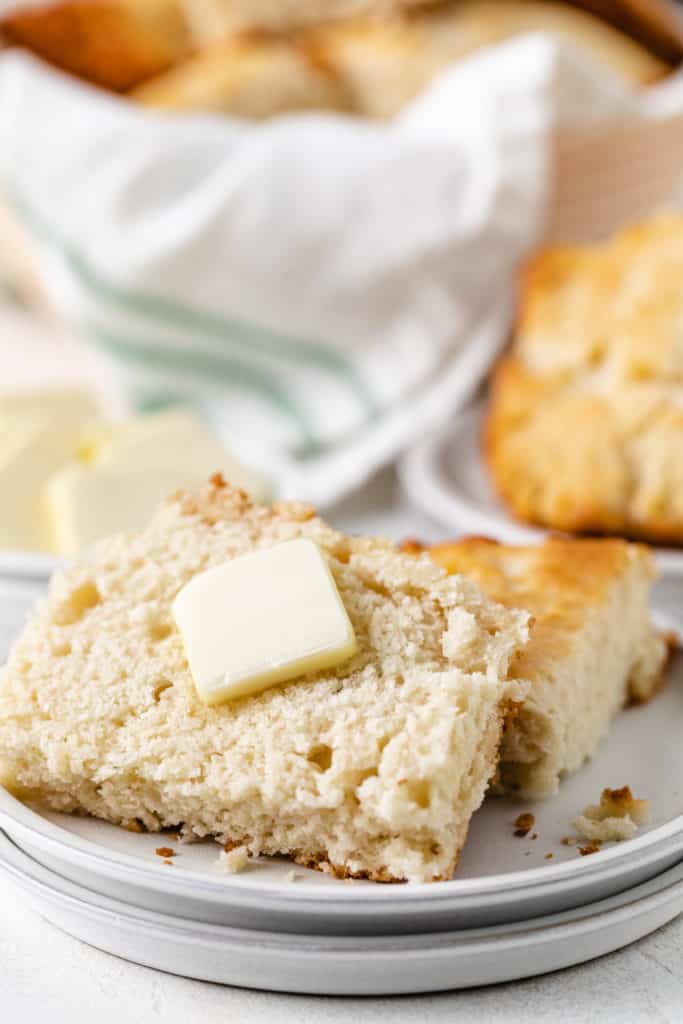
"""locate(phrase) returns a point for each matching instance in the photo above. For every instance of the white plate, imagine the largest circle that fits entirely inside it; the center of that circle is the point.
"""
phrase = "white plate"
(445, 476)
(27, 565)
(500, 878)
(338, 965)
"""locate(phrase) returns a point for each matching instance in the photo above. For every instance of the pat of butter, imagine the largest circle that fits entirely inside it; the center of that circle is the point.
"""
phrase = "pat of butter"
(261, 619)
(171, 439)
(31, 449)
(38, 433)
(85, 503)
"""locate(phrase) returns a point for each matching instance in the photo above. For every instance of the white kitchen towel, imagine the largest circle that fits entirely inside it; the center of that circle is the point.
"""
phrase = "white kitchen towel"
(326, 288)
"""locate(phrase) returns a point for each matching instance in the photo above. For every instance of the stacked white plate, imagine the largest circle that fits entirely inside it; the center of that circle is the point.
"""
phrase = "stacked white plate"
(518, 906)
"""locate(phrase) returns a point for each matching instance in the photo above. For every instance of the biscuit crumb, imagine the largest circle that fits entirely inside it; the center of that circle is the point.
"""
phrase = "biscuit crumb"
(234, 860)
(615, 818)
(523, 825)
(568, 841)
(294, 876)
(590, 848)
(164, 851)
(548, 856)
(534, 835)
(169, 863)
(134, 826)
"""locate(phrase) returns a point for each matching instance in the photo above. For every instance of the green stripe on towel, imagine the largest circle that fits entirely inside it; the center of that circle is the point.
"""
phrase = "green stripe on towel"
(240, 333)
(218, 369)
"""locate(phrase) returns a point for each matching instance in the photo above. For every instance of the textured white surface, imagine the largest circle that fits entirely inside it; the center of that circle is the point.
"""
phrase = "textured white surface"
(48, 976)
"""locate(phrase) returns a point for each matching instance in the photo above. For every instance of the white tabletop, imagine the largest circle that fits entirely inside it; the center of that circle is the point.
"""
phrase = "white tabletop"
(48, 976)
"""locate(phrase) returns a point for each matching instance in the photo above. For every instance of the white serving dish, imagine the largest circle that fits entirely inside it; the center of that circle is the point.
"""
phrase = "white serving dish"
(501, 878)
(446, 477)
(345, 965)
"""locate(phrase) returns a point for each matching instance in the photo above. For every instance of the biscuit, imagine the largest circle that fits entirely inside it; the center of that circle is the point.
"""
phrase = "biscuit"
(585, 424)
(592, 646)
(254, 75)
(111, 43)
(371, 769)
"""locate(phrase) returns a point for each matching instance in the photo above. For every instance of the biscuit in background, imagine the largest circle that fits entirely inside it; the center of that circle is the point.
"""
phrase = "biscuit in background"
(585, 426)
(385, 64)
(212, 19)
(112, 43)
(254, 75)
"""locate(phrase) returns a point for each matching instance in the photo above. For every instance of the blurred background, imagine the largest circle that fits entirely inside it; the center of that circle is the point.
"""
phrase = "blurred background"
(285, 239)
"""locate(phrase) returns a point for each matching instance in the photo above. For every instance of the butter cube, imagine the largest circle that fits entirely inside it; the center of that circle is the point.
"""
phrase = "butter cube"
(31, 449)
(173, 438)
(85, 503)
(38, 433)
(261, 619)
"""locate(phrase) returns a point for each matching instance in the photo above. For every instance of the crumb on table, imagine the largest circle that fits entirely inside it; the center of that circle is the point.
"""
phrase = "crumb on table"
(164, 851)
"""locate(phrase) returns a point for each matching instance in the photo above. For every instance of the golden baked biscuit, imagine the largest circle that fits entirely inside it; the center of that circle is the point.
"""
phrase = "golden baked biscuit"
(214, 19)
(585, 424)
(372, 66)
(592, 645)
(365, 56)
(111, 43)
(385, 64)
(371, 768)
(254, 75)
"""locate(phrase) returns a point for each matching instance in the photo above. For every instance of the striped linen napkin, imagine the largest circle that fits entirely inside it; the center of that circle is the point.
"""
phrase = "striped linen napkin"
(325, 289)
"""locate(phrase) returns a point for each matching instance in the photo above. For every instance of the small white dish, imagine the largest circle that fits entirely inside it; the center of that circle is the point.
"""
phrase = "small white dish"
(445, 476)
(345, 965)
(500, 878)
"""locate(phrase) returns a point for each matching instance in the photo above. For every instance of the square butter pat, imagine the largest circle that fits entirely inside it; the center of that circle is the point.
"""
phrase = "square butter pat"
(261, 619)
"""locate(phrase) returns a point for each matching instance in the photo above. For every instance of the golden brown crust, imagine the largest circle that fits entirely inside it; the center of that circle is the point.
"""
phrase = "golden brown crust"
(557, 581)
(112, 43)
(585, 425)
(560, 582)
(592, 647)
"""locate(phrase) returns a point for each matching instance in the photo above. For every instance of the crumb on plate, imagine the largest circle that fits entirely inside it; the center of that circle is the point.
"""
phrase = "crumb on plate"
(234, 860)
(617, 816)
(523, 824)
